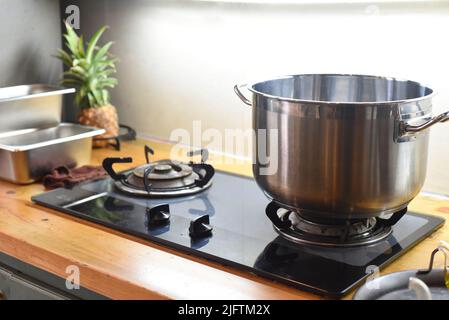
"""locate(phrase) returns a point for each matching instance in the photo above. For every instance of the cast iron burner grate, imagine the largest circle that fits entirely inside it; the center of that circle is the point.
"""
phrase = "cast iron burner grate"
(331, 233)
(164, 178)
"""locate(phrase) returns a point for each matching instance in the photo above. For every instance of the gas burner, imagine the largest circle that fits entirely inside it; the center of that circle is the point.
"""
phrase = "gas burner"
(330, 233)
(164, 178)
(345, 234)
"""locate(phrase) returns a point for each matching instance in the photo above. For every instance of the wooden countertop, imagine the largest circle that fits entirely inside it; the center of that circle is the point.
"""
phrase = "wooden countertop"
(124, 267)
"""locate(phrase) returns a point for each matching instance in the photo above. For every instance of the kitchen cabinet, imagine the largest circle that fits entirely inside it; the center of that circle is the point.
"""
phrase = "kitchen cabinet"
(14, 286)
(22, 281)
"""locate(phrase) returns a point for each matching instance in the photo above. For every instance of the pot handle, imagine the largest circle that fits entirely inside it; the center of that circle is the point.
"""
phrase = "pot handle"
(240, 94)
(443, 117)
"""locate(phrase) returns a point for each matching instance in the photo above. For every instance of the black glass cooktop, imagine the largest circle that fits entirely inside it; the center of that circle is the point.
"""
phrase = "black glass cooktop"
(242, 235)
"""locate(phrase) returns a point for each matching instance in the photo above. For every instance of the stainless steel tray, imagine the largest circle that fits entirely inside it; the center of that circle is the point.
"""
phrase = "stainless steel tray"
(30, 106)
(28, 154)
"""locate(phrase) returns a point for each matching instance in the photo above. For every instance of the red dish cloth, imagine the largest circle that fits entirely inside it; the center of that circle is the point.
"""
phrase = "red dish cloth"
(67, 178)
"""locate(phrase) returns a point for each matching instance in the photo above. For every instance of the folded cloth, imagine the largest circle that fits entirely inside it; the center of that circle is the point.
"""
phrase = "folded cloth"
(67, 178)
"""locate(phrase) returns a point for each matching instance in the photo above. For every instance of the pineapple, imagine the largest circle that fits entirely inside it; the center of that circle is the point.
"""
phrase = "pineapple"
(89, 70)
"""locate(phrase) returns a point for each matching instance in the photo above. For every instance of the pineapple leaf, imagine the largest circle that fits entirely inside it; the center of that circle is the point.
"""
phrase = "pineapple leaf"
(93, 42)
(89, 69)
(105, 65)
(91, 99)
(105, 73)
(78, 70)
(81, 46)
(110, 82)
(70, 32)
(65, 57)
(105, 96)
(73, 76)
(82, 91)
(71, 39)
(102, 51)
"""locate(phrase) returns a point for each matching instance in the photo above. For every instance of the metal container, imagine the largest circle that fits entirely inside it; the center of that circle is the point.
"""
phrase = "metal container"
(26, 155)
(347, 146)
(30, 106)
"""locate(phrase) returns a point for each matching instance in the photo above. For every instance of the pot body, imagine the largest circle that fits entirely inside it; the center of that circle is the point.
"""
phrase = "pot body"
(333, 143)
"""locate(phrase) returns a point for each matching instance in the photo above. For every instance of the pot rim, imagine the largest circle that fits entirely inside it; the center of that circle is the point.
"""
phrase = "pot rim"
(251, 85)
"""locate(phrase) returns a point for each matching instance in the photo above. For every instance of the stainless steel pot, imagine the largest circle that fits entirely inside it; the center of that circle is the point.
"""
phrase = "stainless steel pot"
(348, 146)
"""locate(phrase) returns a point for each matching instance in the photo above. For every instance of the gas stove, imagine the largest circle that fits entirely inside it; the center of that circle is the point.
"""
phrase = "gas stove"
(164, 178)
(226, 218)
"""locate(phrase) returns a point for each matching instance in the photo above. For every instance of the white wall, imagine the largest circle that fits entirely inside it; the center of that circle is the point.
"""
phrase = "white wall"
(30, 35)
(180, 60)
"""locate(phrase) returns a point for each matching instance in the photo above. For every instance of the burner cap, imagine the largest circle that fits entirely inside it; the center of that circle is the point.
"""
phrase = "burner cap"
(164, 170)
(162, 184)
